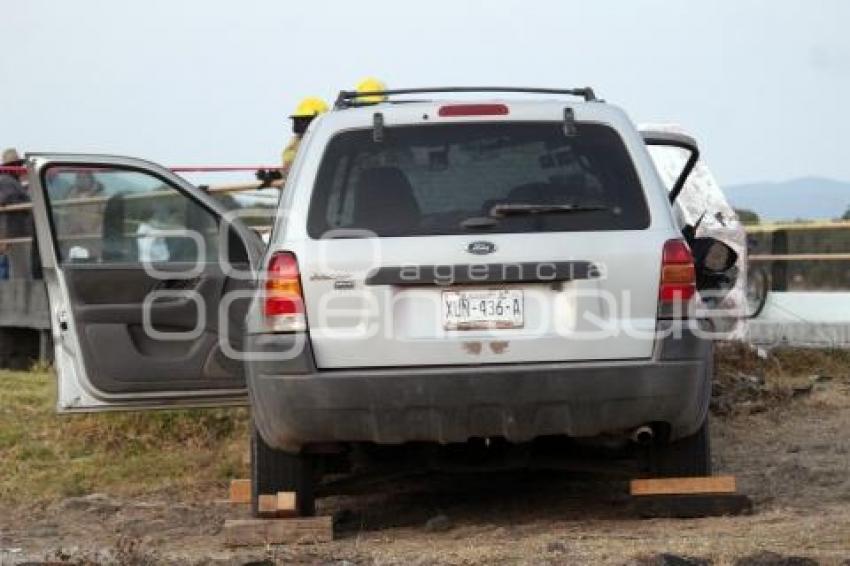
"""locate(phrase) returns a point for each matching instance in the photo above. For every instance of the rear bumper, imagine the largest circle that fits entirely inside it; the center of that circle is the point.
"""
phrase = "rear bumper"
(296, 404)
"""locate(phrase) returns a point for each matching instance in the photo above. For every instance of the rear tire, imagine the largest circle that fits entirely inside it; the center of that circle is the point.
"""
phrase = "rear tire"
(686, 457)
(275, 470)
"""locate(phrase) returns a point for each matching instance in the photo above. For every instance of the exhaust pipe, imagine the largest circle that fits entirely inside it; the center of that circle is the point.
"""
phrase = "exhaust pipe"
(643, 435)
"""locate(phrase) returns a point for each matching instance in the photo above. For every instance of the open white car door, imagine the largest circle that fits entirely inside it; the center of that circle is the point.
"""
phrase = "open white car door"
(699, 201)
(149, 279)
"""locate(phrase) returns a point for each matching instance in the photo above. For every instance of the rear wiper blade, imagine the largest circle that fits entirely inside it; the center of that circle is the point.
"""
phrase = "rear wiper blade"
(479, 223)
(518, 209)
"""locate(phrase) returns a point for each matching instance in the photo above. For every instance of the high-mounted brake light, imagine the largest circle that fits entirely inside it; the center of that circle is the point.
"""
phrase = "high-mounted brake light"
(473, 110)
(283, 302)
(678, 279)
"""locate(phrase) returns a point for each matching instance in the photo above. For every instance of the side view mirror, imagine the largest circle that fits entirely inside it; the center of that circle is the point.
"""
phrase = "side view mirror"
(712, 255)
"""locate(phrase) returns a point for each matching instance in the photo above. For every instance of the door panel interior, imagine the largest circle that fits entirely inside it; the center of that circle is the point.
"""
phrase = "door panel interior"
(122, 357)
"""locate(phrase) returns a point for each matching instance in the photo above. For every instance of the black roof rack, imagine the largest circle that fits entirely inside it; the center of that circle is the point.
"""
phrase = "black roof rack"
(349, 98)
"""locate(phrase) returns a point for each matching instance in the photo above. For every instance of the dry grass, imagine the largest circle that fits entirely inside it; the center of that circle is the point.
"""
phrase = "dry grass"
(44, 456)
(781, 363)
(748, 380)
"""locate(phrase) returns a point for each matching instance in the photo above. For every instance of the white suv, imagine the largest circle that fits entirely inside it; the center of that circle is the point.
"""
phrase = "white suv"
(447, 272)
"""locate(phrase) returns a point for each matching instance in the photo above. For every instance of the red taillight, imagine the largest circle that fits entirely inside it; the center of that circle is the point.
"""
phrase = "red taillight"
(678, 276)
(283, 288)
(474, 110)
(677, 252)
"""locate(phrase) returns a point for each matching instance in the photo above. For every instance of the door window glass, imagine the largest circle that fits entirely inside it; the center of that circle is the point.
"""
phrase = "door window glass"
(114, 215)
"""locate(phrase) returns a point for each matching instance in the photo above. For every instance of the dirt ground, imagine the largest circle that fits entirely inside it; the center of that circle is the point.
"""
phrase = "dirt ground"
(786, 440)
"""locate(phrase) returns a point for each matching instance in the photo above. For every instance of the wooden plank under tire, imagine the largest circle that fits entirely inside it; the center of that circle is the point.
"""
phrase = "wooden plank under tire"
(683, 486)
(240, 491)
(688, 497)
(254, 532)
(692, 506)
(280, 505)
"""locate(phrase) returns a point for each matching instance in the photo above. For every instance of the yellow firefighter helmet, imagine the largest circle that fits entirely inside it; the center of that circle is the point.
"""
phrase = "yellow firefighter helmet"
(310, 107)
(371, 84)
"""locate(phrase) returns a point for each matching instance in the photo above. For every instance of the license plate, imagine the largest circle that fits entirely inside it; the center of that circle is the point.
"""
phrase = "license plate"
(469, 310)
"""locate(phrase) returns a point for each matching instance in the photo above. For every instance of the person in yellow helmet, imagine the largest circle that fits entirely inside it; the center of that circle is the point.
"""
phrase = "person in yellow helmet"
(304, 113)
(371, 84)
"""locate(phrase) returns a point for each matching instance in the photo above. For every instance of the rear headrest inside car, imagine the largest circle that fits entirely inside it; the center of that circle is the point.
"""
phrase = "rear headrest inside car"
(384, 202)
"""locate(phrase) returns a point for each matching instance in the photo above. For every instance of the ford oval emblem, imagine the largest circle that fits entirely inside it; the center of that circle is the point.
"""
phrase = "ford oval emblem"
(481, 247)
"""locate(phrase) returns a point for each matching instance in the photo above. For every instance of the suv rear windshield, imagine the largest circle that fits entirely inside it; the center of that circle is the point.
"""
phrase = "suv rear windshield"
(467, 178)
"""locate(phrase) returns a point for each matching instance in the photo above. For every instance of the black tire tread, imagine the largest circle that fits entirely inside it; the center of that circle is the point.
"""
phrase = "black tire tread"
(686, 457)
(274, 470)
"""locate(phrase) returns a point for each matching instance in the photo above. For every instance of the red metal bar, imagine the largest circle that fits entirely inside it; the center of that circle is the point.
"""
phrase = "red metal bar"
(16, 170)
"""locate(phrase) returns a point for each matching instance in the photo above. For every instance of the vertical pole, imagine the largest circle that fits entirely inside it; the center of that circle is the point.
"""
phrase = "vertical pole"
(779, 269)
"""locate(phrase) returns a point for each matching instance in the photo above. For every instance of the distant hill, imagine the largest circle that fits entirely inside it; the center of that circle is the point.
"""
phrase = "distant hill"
(807, 197)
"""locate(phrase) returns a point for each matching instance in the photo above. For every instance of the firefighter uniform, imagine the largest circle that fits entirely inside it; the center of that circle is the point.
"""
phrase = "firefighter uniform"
(304, 113)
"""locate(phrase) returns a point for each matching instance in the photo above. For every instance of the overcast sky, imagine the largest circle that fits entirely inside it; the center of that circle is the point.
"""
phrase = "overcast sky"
(765, 86)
